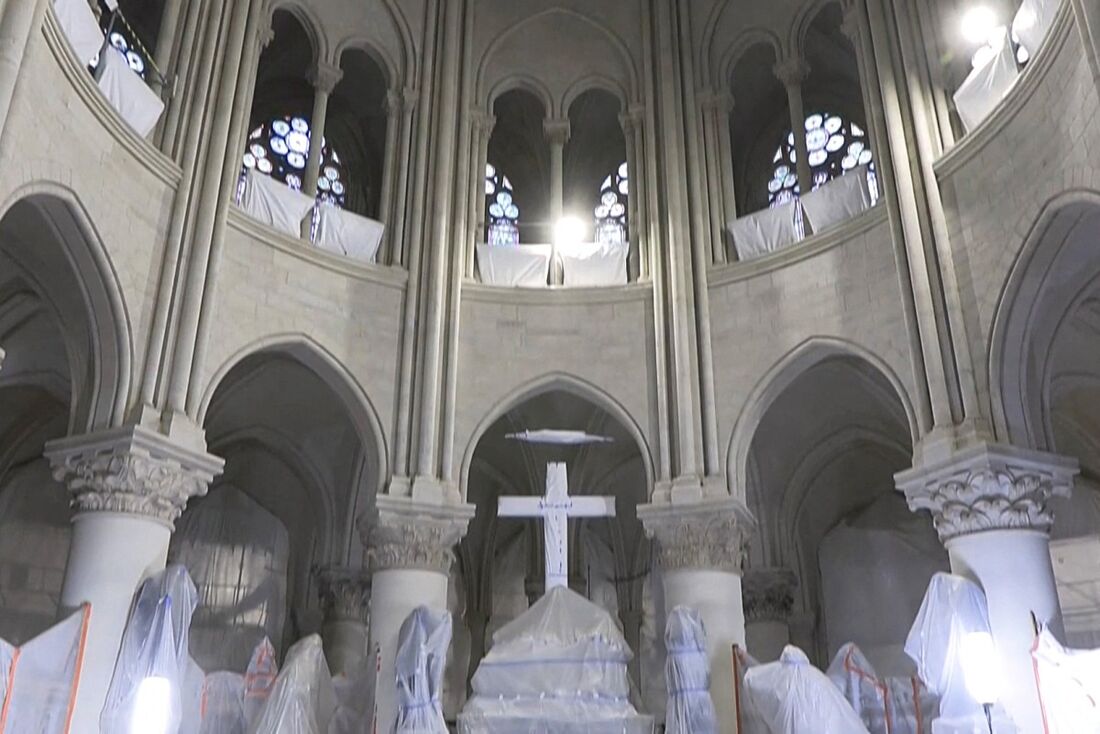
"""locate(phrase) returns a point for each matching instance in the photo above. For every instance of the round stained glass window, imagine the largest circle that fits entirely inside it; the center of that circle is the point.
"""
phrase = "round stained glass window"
(280, 149)
(296, 159)
(299, 125)
(279, 146)
(503, 214)
(298, 142)
(331, 173)
(834, 146)
(611, 211)
(280, 127)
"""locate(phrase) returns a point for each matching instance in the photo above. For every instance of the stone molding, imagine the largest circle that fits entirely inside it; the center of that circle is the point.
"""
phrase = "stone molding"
(989, 487)
(791, 71)
(557, 131)
(402, 533)
(324, 77)
(344, 594)
(133, 470)
(711, 534)
(768, 594)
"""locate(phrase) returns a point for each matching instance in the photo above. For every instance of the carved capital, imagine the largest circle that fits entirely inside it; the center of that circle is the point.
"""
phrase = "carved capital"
(133, 470)
(556, 131)
(324, 77)
(989, 487)
(265, 34)
(716, 100)
(708, 534)
(768, 594)
(405, 533)
(791, 71)
(633, 119)
(344, 594)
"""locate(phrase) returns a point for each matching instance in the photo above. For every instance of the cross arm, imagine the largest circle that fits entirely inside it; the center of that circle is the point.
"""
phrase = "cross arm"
(519, 506)
(592, 507)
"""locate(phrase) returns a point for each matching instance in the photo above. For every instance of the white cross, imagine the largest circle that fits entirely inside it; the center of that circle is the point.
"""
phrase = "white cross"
(555, 508)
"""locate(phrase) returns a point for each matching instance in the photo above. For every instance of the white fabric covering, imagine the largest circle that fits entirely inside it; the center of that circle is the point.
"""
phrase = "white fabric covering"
(791, 696)
(687, 675)
(38, 680)
(594, 264)
(127, 92)
(748, 721)
(421, 658)
(1032, 22)
(561, 666)
(223, 704)
(303, 700)
(78, 23)
(838, 200)
(764, 231)
(986, 86)
(274, 203)
(886, 705)
(525, 266)
(355, 700)
(349, 234)
(1069, 686)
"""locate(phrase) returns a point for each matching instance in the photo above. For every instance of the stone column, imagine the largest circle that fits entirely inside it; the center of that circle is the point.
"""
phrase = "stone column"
(700, 548)
(716, 124)
(393, 105)
(398, 210)
(990, 506)
(324, 79)
(409, 552)
(557, 135)
(128, 486)
(345, 601)
(792, 72)
(166, 40)
(1087, 16)
(769, 600)
(18, 21)
(482, 129)
(631, 122)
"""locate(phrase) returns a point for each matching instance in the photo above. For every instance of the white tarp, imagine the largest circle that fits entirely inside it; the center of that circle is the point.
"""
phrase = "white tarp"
(274, 203)
(348, 234)
(127, 92)
(1032, 22)
(1069, 686)
(594, 264)
(421, 657)
(302, 700)
(885, 705)
(748, 720)
(561, 666)
(153, 661)
(525, 266)
(80, 26)
(987, 85)
(259, 679)
(764, 231)
(838, 200)
(687, 675)
(222, 710)
(38, 681)
(791, 696)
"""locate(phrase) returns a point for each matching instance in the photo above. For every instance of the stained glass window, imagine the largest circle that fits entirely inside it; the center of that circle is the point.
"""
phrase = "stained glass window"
(125, 39)
(280, 149)
(611, 224)
(835, 146)
(503, 217)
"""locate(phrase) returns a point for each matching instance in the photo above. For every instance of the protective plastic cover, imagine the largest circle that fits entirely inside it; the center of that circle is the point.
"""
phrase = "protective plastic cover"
(841, 199)
(259, 679)
(791, 696)
(421, 657)
(1033, 20)
(38, 680)
(559, 667)
(1069, 686)
(80, 26)
(302, 700)
(223, 704)
(153, 662)
(886, 705)
(687, 674)
(748, 720)
(347, 233)
(274, 203)
(987, 85)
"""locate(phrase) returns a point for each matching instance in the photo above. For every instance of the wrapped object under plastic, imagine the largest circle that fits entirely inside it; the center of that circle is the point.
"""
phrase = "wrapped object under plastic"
(1069, 686)
(222, 706)
(421, 658)
(259, 679)
(886, 705)
(302, 700)
(194, 681)
(748, 720)
(791, 696)
(355, 699)
(39, 679)
(687, 675)
(146, 693)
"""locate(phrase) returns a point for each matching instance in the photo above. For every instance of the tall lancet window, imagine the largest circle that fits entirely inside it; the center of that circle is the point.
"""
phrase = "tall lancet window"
(503, 213)
(835, 147)
(280, 149)
(611, 218)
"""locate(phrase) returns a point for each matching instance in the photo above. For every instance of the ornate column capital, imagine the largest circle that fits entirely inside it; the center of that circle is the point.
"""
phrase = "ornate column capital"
(716, 100)
(557, 130)
(633, 119)
(344, 593)
(768, 594)
(483, 122)
(324, 77)
(133, 470)
(791, 71)
(405, 533)
(708, 535)
(989, 487)
(265, 34)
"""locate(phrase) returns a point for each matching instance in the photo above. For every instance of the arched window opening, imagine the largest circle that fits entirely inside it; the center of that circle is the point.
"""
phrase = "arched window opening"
(280, 149)
(836, 146)
(611, 212)
(502, 211)
(131, 27)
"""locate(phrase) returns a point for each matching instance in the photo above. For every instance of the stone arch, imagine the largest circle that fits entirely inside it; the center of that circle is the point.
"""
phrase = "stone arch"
(391, 70)
(311, 25)
(589, 83)
(736, 50)
(523, 83)
(805, 18)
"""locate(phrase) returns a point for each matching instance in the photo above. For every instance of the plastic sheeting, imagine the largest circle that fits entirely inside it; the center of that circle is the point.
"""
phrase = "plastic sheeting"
(421, 658)
(1069, 686)
(348, 234)
(80, 26)
(561, 666)
(764, 231)
(987, 85)
(355, 699)
(687, 675)
(885, 705)
(274, 203)
(748, 720)
(38, 681)
(127, 92)
(259, 678)
(791, 696)
(152, 667)
(594, 264)
(523, 266)
(222, 709)
(303, 700)
(1032, 21)
(839, 200)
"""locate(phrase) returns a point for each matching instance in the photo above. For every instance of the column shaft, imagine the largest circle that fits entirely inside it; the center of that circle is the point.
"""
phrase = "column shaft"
(18, 21)
(629, 125)
(324, 78)
(399, 206)
(389, 171)
(725, 166)
(792, 72)
(166, 40)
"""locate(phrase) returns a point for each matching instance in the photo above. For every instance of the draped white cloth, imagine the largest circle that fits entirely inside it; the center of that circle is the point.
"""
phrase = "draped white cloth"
(687, 675)
(764, 231)
(837, 201)
(987, 85)
(1069, 686)
(349, 234)
(421, 658)
(127, 92)
(79, 25)
(524, 266)
(1032, 21)
(274, 203)
(594, 264)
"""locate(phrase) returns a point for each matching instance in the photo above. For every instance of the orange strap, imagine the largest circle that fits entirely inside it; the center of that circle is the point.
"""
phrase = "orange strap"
(1039, 685)
(880, 686)
(11, 688)
(81, 646)
(916, 704)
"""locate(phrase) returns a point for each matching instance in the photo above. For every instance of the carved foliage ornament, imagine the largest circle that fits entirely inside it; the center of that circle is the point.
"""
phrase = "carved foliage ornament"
(411, 543)
(345, 594)
(716, 542)
(769, 594)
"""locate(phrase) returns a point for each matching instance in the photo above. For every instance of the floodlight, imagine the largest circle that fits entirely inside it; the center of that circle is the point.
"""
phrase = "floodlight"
(152, 706)
(978, 24)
